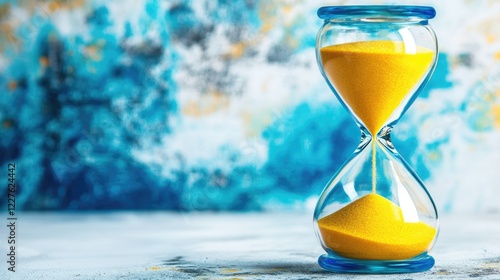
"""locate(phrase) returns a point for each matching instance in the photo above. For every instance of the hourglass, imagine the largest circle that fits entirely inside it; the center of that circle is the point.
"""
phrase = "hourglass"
(375, 215)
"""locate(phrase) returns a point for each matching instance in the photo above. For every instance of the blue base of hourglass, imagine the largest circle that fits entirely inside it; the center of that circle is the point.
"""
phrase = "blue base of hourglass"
(339, 264)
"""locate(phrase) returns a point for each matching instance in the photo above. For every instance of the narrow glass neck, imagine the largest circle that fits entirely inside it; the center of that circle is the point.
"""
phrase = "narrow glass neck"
(383, 137)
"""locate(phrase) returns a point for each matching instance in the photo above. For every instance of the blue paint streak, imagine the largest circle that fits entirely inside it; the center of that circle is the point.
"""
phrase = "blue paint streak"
(439, 78)
(307, 147)
(73, 123)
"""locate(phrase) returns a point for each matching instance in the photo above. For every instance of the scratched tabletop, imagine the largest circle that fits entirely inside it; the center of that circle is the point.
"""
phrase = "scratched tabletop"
(159, 245)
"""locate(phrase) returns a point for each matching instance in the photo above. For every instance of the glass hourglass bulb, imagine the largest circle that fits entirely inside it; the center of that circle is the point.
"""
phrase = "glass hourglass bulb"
(375, 215)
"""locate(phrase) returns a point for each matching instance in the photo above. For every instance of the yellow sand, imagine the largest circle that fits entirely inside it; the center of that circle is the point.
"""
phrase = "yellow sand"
(372, 228)
(374, 166)
(373, 77)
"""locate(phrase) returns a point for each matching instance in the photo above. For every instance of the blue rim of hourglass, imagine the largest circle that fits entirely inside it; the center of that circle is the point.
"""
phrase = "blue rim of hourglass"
(335, 12)
(334, 263)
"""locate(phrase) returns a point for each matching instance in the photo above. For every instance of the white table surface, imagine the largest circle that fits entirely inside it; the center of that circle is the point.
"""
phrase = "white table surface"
(160, 245)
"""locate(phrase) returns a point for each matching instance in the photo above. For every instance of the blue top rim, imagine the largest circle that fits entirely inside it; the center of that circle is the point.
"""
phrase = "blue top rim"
(397, 11)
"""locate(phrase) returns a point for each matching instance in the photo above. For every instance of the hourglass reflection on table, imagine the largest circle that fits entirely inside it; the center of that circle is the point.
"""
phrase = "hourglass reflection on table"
(375, 215)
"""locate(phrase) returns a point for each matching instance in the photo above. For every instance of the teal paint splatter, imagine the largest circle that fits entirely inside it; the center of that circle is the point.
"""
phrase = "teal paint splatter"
(439, 78)
(307, 146)
(152, 9)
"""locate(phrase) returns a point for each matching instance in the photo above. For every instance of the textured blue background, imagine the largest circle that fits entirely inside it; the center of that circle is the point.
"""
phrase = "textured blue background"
(218, 105)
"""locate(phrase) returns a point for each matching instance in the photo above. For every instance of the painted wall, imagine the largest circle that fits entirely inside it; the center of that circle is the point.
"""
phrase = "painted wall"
(219, 105)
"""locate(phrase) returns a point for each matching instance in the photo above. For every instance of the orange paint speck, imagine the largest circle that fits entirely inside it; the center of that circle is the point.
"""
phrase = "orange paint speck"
(12, 85)
(7, 123)
(44, 61)
(206, 104)
(236, 51)
(497, 56)
(93, 52)
(495, 110)
(54, 5)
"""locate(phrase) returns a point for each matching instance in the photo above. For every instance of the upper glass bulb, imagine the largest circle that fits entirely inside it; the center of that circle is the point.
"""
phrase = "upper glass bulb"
(375, 58)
